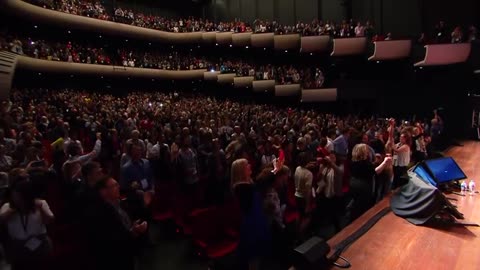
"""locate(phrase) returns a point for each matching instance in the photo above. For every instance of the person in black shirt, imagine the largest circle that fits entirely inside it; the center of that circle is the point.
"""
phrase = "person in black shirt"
(378, 144)
(113, 236)
(254, 230)
(363, 179)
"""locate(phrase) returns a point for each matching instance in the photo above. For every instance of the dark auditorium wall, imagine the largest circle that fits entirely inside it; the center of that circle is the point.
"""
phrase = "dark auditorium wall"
(265, 9)
(402, 18)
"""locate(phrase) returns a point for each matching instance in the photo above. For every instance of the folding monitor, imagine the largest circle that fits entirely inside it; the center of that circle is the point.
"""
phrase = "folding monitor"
(444, 170)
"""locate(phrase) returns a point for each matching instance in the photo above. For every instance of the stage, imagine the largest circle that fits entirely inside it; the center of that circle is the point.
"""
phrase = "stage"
(394, 243)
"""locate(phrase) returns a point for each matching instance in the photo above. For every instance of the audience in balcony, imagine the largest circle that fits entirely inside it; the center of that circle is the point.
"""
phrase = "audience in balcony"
(457, 35)
(472, 33)
(338, 30)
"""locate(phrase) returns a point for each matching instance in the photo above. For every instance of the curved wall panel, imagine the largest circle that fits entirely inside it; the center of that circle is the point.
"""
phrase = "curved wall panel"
(315, 44)
(243, 82)
(349, 46)
(226, 78)
(224, 38)
(390, 50)
(319, 95)
(8, 62)
(209, 38)
(445, 54)
(90, 69)
(211, 76)
(34, 13)
(262, 40)
(263, 86)
(286, 42)
(241, 39)
(287, 90)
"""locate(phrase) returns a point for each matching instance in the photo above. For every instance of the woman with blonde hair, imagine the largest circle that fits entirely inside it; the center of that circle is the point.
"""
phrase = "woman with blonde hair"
(254, 229)
(362, 183)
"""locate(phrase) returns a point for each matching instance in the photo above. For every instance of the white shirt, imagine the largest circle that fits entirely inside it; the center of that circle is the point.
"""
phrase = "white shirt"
(33, 225)
(402, 159)
(303, 182)
(266, 160)
(329, 145)
(359, 31)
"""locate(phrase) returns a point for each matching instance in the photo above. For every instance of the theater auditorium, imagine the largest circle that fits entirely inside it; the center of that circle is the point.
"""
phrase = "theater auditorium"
(239, 134)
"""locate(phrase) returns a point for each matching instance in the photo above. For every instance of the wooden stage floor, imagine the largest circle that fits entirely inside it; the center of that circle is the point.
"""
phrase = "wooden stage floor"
(394, 243)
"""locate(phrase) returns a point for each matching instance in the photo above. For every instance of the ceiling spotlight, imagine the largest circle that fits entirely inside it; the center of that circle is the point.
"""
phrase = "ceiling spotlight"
(69, 32)
(128, 78)
(246, 47)
(264, 49)
(172, 46)
(216, 44)
(101, 77)
(198, 46)
(378, 62)
(71, 76)
(311, 53)
(421, 67)
(231, 45)
(153, 80)
(190, 49)
(286, 51)
(35, 26)
(100, 36)
(149, 43)
(39, 74)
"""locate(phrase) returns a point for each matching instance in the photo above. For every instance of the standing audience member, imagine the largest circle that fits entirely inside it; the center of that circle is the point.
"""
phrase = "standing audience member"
(113, 236)
(362, 183)
(26, 218)
(254, 232)
(303, 191)
(137, 181)
(401, 160)
(329, 190)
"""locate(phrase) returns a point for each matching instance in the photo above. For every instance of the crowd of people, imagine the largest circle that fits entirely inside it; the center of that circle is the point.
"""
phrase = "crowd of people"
(344, 29)
(308, 77)
(191, 24)
(109, 157)
(74, 52)
(442, 35)
(90, 54)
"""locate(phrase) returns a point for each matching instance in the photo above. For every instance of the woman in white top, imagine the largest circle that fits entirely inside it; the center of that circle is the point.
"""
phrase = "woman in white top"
(303, 184)
(401, 160)
(25, 218)
(303, 193)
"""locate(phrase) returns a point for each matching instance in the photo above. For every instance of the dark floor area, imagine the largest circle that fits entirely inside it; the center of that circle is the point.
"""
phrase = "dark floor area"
(173, 251)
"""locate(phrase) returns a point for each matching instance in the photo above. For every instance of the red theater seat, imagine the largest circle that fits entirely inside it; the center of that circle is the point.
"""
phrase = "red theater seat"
(291, 214)
(211, 233)
(162, 202)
